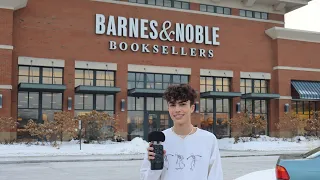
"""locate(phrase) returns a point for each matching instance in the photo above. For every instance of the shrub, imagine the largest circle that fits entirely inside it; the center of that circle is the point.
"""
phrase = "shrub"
(247, 125)
(291, 124)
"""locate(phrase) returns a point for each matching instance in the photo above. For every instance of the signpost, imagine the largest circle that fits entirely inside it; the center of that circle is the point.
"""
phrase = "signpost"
(80, 128)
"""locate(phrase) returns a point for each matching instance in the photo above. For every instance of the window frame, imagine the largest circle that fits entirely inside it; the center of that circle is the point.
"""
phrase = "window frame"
(254, 14)
(224, 9)
(146, 80)
(214, 83)
(41, 74)
(94, 78)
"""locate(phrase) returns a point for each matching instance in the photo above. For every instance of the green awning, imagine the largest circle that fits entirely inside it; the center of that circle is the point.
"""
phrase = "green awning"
(307, 89)
(141, 92)
(42, 87)
(260, 96)
(97, 89)
(217, 94)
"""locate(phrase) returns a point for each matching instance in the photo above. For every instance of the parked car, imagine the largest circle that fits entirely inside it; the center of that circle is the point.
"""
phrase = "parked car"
(299, 167)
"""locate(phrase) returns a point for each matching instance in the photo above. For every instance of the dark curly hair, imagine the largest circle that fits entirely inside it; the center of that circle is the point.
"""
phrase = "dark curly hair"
(181, 92)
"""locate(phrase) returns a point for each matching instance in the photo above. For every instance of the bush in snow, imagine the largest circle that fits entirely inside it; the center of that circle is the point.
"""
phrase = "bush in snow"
(245, 124)
(99, 126)
(290, 125)
(312, 125)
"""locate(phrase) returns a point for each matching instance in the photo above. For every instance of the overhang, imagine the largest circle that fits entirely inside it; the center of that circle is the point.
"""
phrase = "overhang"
(143, 92)
(215, 94)
(293, 34)
(97, 89)
(13, 4)
(260, 96)
(308, 90)
(42, 87)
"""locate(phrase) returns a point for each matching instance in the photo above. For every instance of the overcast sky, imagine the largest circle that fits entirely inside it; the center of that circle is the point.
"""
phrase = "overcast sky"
(305, 18)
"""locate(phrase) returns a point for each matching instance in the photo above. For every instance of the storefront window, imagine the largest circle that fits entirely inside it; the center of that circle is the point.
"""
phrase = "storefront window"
(305, 109)
(40, 75)
(154, 81)
(135, 124)
(94, 78)
(214, 84)
(89, 102)
(38, 106)
(215, 114)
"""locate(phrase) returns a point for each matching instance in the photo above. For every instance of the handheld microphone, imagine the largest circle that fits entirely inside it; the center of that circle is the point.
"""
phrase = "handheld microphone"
(156, 137)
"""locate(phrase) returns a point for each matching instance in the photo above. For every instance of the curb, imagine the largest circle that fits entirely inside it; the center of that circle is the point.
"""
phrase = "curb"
(109, 159)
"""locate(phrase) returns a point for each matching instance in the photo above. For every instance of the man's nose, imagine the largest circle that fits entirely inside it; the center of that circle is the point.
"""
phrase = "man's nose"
(177, 108)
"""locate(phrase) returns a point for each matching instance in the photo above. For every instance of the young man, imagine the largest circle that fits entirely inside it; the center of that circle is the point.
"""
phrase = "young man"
(190, 153)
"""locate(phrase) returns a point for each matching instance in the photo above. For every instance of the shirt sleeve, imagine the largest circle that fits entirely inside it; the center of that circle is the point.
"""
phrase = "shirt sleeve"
(145, 171)
(215, 168)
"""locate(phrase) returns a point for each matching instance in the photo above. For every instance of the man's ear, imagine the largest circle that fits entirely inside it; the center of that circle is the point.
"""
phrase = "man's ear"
(192, 108)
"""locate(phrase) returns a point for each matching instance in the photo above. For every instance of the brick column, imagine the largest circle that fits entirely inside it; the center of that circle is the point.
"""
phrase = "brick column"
(69, 81)
(235, 87)
(121, 82)
(6, 47)
(195, 83)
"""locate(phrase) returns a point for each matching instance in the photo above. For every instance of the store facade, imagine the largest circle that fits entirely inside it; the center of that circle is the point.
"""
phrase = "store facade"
(119, 56)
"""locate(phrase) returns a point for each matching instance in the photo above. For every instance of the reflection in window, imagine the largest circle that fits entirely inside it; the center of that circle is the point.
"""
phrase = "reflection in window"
(29, 106)
(214, 116)
(94, 78)
(135, 124)
(40, 75)
(305, 109)
(154, 81)
(219, 84)
(215, 9)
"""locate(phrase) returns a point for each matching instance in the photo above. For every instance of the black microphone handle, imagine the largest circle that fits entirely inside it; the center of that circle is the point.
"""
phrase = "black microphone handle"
(158, 161)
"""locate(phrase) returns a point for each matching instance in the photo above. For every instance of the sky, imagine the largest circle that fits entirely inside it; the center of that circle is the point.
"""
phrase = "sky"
(305, 18)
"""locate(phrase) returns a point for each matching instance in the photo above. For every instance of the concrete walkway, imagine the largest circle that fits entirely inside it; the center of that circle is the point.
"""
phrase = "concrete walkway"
(88, 158)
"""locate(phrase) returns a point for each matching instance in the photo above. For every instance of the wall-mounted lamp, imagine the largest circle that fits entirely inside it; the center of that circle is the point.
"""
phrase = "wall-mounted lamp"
(69, 103)
(0, 101)
(196, 107)
(286, 108)
(238, 108)
(122, 105)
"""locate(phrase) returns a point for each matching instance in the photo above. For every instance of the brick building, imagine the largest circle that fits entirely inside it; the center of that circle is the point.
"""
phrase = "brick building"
(118, 56)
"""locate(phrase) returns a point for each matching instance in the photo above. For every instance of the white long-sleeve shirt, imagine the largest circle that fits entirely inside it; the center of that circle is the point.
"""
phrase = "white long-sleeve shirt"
(196, 157)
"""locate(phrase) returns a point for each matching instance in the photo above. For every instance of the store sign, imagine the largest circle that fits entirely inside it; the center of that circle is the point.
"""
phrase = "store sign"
(149, 29)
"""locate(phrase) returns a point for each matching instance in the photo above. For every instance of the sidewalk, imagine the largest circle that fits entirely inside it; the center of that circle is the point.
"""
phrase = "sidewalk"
(87, 158)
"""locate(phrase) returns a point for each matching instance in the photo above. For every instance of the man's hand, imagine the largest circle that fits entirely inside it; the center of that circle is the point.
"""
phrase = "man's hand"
(152, 154)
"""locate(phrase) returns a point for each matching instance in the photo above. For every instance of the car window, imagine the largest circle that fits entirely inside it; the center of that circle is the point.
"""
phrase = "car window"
(314, 153)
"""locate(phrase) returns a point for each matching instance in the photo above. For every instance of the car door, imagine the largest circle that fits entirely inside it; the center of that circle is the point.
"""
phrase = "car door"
(307, 168)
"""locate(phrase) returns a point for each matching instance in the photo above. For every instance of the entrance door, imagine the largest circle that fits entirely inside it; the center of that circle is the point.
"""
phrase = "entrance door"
(157, 121)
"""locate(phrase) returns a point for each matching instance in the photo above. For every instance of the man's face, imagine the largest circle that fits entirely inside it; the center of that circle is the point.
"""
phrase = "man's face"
(180, 112)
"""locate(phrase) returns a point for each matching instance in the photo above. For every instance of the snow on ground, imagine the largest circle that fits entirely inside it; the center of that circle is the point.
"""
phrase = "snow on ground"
(138, 146)
(268, 174)
(265, 143)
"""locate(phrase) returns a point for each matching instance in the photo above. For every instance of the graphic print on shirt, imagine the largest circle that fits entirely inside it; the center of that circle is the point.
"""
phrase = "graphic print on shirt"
(166, 164)
(193, 161)
(180, 164)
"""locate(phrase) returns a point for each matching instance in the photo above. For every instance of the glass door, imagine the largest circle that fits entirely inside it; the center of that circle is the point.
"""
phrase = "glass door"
(157, 121)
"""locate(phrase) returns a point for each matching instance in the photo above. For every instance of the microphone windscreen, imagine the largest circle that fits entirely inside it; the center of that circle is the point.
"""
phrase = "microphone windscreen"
(156, 136)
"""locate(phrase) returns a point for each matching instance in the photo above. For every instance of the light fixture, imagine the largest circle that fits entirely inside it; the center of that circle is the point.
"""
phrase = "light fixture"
(122, 105)
(69, 103)
(286, 107)
(0, 101)
(238, 109)
(197, 107)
